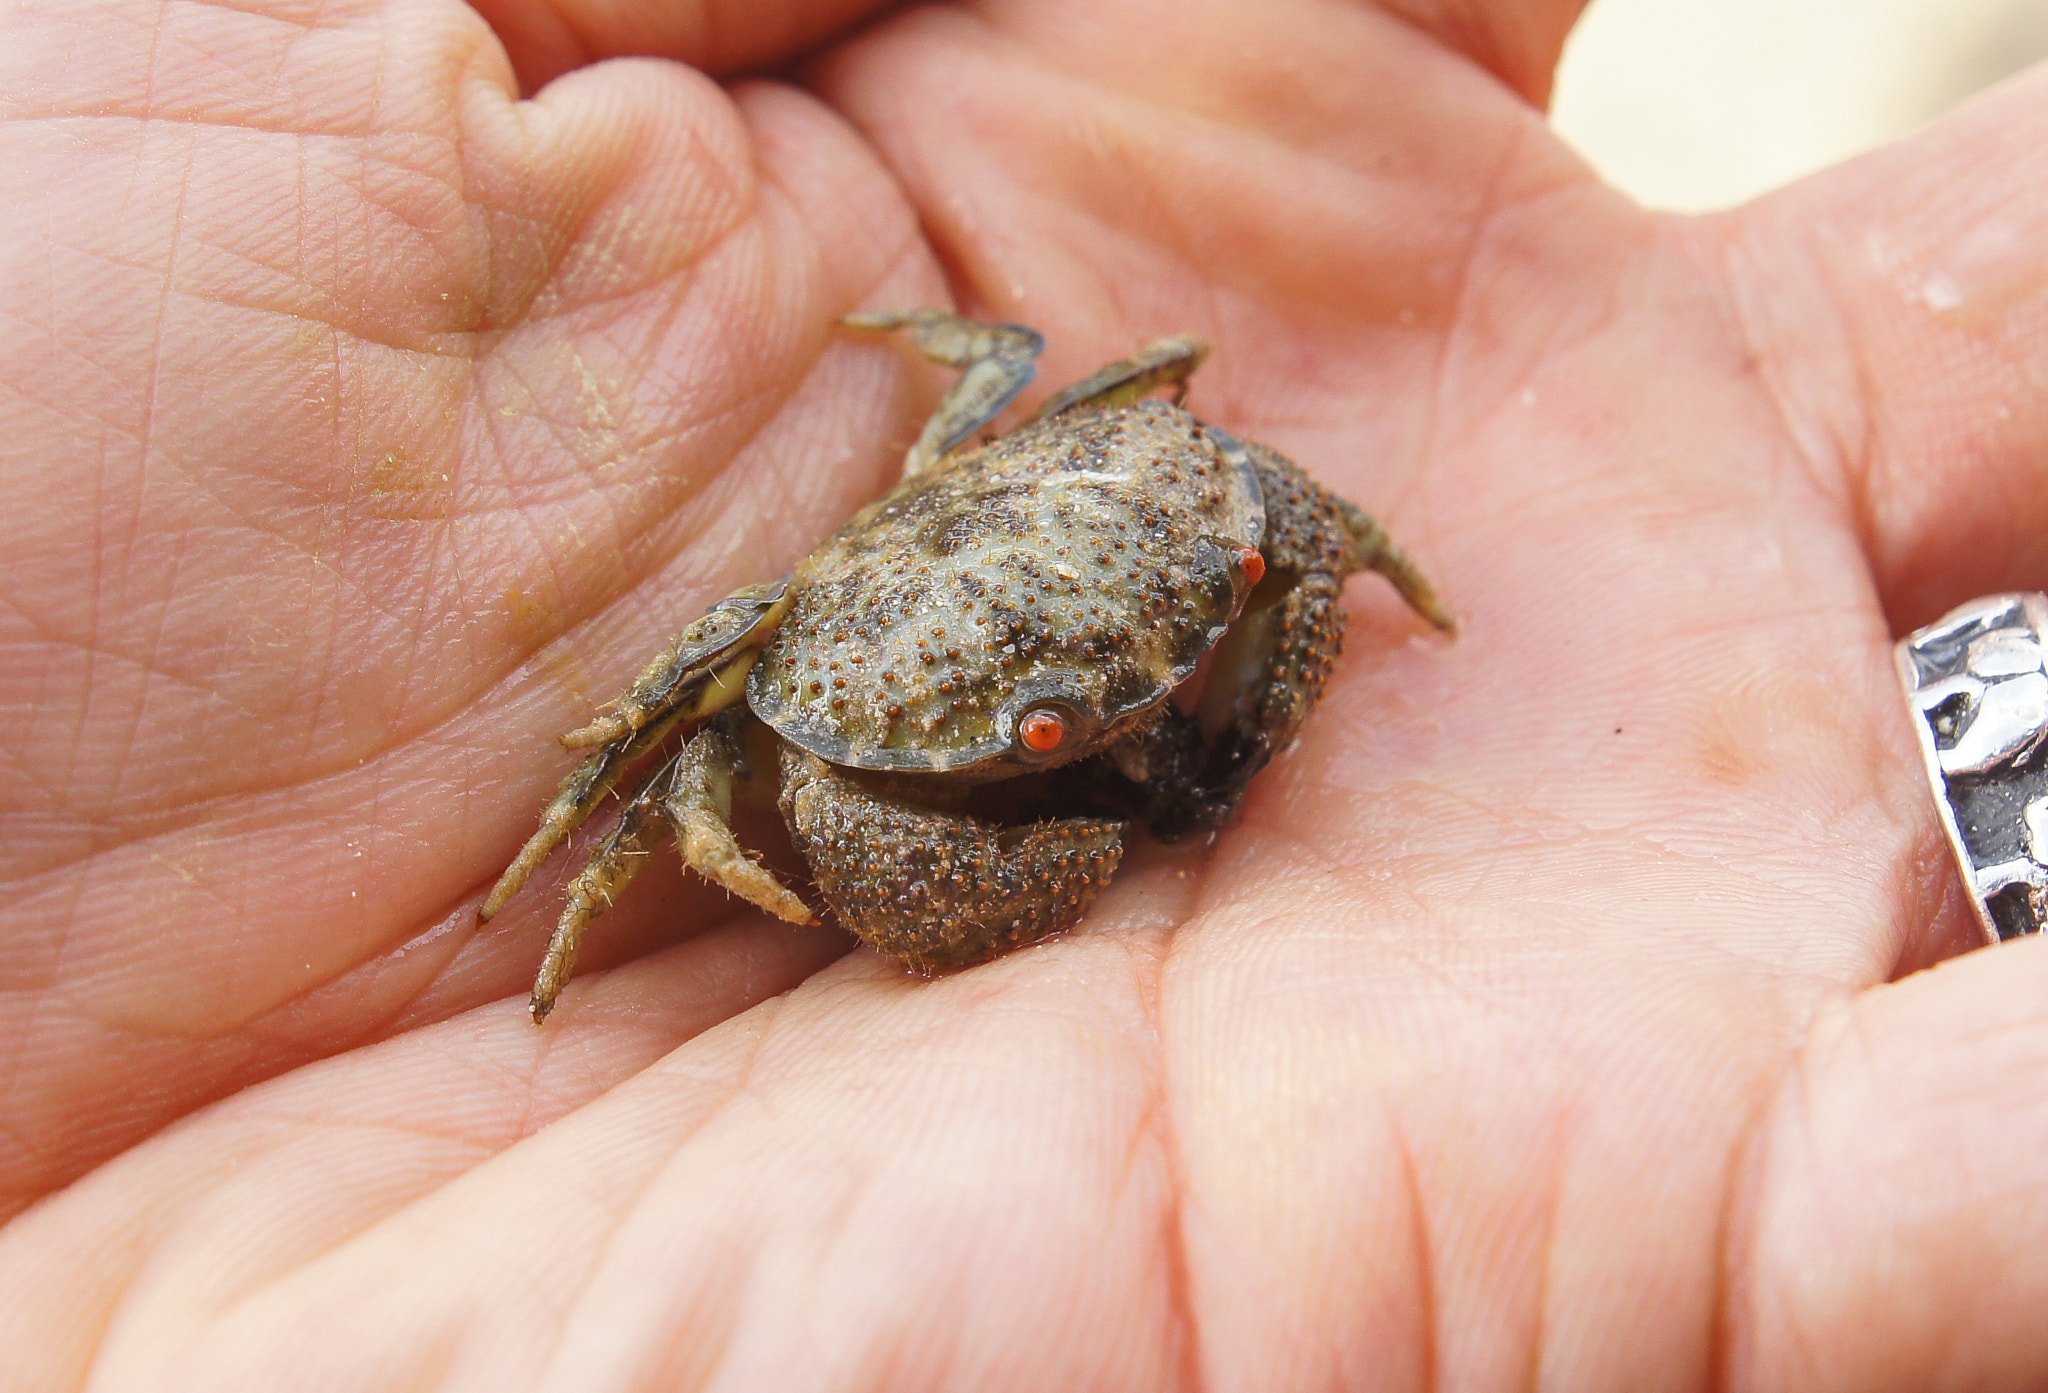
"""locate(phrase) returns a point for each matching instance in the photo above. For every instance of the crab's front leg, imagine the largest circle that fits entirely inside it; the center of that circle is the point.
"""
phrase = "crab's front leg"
(1270, 669)
(935, 889)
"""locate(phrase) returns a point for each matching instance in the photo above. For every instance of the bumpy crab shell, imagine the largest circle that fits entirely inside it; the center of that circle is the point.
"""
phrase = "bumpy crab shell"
(1085, 562)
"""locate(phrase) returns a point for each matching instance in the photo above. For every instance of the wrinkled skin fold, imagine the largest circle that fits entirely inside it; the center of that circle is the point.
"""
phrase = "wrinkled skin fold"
(1559, 1012)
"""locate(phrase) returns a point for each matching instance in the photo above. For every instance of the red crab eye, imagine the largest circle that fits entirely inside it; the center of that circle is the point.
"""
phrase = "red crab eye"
(1042, 731)
(1251, 563)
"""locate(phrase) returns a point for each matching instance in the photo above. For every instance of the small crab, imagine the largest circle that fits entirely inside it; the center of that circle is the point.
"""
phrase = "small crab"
(967, 692)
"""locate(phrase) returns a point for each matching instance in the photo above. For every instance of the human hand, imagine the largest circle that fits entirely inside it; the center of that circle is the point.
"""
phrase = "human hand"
(365, 426)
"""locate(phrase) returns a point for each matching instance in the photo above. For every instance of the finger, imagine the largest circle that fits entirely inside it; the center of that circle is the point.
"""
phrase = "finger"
(1893, 1233)
(546, 38)
(359, 1220)
(293, 1169)
(1112, 175)
(1898, 306)
(1518, 41)
(430, 411)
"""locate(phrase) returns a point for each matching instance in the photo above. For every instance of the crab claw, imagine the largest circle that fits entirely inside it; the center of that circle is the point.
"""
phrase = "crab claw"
(933, 889)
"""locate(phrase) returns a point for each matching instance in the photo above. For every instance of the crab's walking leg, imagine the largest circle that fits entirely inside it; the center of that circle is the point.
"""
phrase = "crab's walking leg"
(692, 794)
(615, 862)
(703, 671)
(1270, 669)
(699, 809)
(698, 670)
(1160, 362)
(1000, 361)
(573, 803)
(1373, 550)
(933, 889)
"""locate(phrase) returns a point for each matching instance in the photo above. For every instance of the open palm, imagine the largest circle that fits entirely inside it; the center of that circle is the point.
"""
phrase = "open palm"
(364, 425)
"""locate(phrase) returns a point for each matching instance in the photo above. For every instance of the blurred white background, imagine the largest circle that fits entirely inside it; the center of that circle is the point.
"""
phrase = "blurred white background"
(1696, 104)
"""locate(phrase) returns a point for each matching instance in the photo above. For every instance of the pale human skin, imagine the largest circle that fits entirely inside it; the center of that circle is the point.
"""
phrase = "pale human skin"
(1556, 1015)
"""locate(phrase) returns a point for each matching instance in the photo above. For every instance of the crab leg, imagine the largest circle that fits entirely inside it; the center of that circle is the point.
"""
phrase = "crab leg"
(1269, 670)
(1160, 362)
(1000, 361)
(702, 672)
(694, 671)
(610, 869)
(573, 803)
(692, 795)
(1373, 550)
(934, 889)
(698, 807)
